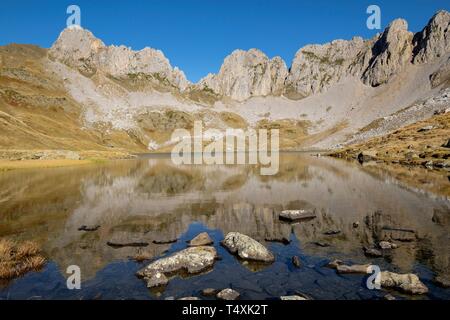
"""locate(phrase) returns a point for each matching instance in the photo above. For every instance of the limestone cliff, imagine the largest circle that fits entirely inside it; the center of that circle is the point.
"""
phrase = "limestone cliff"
(80, 49)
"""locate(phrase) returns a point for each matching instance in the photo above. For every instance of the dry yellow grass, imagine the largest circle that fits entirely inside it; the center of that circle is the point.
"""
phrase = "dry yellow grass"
(420, 144)
(34, 164)
(17, 259)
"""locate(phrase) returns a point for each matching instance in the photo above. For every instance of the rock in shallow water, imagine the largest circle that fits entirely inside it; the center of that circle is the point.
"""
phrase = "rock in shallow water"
(372, 252)
(342, 268)
(209, 292)
(156, 279)
(386, 245)
(442, 281)
(246, 247)
(296, 261)
(295, 297)
(202, 239)
(192, 260)
(409, 283)
(297, 215)
(228, 294)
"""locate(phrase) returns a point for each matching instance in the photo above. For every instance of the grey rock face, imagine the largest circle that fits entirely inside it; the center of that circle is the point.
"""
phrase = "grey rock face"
(434, 40)
(409, 283)
(316, 67)
(192, 260)
(80, 49)
(392, 52)
(248, 73)
(247, 248)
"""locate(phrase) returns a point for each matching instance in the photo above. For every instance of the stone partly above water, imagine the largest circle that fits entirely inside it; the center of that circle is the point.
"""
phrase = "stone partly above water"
(247, 248)
(203, 239)
(386, 245)
(399, 234)
(228, 294)
(295, 297)
(297, 215)
(408, 283)
(192, 260)
(342, 268)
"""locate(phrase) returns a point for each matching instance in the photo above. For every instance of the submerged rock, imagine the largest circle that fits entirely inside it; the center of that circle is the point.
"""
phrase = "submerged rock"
(246, 247)
(192, 260)
(116, 244)
(334, 264)
(202, 239)
(389, 297)
(89, 228)
(399, 234)
(282, 240)
(409, 283)
(294, 297)
(157, 279)
(297, 215)
(372, 252)
(442, 281)
(332, 232)
(228, 294)
(209, 292)
(322, 244)
(296, 261)
(189, 298)
(165, 241)
(386, 245)
(342, 268)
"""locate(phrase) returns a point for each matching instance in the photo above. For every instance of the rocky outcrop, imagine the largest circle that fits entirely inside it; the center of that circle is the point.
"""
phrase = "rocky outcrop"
(248, 73)
(391, 52)
(247, 248)
(434, 40)
(316, 67)
(80, 49)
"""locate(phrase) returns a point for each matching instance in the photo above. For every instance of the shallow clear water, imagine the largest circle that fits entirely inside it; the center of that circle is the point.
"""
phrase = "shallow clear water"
(152, 199)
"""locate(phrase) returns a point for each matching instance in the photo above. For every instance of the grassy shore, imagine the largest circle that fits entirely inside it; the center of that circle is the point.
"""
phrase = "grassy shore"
(40, 159)
(424, 143)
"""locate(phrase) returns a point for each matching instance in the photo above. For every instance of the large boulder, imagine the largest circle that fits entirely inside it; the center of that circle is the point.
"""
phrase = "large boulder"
(191, 260)
(247, 248)
(409, 283)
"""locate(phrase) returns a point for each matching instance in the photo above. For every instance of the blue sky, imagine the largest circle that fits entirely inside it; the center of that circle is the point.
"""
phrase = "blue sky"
(196, 35)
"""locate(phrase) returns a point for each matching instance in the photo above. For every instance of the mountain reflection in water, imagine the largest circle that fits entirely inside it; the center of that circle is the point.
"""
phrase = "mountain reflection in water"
(152, 199)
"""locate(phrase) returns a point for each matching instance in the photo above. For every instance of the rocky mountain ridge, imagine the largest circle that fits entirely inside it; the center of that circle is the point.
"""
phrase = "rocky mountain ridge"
(245, 74)
(83, 95)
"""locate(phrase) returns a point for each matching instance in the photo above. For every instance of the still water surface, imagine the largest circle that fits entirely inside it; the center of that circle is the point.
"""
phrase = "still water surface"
(152, 199)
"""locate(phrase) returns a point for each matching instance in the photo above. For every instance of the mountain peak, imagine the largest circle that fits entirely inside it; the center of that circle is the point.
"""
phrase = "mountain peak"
(78, 48)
